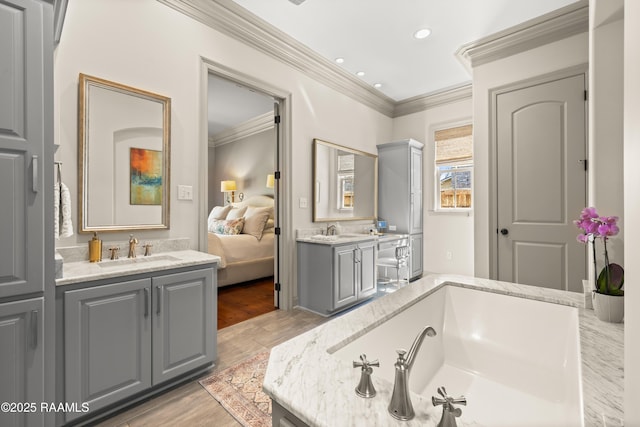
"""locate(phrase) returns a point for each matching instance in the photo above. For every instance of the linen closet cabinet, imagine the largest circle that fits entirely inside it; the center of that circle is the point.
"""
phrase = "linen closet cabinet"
(400, 199)
(26, 226)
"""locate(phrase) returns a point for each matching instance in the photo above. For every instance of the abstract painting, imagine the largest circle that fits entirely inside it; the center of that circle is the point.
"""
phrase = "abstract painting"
(146, 176)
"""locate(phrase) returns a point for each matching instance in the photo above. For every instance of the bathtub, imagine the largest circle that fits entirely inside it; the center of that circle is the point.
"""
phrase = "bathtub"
(516, 360)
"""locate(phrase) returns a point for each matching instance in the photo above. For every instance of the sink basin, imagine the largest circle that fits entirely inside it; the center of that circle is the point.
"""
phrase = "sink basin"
(132, 261)
(335, 237)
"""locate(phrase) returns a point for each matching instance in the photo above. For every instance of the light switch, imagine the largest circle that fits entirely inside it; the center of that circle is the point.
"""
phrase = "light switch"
(185, 192)
(303, 203)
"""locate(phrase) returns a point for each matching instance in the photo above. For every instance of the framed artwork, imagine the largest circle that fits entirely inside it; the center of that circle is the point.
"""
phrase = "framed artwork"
(146, 176)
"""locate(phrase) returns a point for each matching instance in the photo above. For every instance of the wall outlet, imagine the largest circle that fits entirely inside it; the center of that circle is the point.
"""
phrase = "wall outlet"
(303, 203)
(392, 228)
(185, 192)
(449, 255)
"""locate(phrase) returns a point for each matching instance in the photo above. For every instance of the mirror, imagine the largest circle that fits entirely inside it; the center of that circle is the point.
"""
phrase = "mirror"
(123, 159)
(345, 183)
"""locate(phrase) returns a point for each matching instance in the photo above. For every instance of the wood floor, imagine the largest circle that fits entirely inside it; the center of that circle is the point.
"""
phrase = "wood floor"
(237, 303)
(190, 404)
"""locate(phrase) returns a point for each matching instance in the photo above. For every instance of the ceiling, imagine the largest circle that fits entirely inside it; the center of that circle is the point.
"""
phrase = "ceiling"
(376, 36)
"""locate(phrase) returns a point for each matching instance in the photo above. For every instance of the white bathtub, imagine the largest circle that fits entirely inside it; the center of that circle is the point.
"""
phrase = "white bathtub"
(517, 361)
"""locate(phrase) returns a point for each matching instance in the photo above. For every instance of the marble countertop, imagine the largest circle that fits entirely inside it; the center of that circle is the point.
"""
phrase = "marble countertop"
(317, 388)
(83, 271)
(344, 239)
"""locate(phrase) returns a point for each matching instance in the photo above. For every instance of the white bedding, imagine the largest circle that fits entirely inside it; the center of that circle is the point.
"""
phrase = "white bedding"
(240, 247)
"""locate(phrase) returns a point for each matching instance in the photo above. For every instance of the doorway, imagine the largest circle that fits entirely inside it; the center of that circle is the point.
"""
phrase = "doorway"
(540, 142)
(243, 160)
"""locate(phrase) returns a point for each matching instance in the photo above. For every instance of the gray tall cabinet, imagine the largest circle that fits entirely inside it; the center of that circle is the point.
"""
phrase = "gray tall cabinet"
(400, 198)
(26, 225)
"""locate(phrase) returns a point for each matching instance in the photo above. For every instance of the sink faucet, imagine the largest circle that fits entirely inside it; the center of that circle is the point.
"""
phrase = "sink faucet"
(132, 246)
(331, 230)
(400, 406)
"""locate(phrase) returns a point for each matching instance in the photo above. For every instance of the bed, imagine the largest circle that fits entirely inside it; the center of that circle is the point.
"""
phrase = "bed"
(242, 235)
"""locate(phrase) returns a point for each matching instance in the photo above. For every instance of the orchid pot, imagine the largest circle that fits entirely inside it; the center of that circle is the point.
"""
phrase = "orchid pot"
(607, 293)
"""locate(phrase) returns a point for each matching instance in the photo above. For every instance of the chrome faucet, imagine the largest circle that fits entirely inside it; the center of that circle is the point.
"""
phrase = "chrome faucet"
(132, 246)
(331, 230)
(400, 406)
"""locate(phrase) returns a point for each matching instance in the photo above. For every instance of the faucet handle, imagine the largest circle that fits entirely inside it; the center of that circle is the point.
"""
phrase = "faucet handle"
(365, 387)
(447, 402)
(364, 363)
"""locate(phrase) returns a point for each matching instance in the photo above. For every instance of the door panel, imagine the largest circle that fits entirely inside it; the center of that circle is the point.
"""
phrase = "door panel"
(367, 267)
(22, 84)
(345, 281)
(541, 184)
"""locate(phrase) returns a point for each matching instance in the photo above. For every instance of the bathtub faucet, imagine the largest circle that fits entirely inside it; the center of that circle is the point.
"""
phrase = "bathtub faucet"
(400, 406)
(449, 412)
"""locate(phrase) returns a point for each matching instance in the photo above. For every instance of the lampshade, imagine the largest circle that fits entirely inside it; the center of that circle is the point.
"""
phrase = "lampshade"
(270, 181)
(227, 186)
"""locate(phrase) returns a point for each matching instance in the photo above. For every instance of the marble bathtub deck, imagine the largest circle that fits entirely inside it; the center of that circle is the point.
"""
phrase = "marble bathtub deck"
(319, 389)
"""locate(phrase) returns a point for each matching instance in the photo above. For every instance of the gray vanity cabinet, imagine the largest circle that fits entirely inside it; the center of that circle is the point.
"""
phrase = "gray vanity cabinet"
(184, 323)
(126, 337)
(334, 277)
(22, 355)
(400, 194)
(107, 343)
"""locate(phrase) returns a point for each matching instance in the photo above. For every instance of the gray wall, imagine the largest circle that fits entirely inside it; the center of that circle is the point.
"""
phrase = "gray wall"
(247, 161)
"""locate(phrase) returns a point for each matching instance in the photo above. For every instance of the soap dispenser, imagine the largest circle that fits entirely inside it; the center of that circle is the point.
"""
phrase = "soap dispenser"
(95, 248)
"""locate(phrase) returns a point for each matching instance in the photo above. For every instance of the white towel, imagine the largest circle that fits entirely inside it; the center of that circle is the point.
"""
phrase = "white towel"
(56, 211)
(64, 212)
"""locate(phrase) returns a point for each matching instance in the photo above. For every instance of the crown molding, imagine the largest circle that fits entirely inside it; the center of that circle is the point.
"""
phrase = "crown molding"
(424, 102)
(251, 127)
(557, 25)
(231, 19)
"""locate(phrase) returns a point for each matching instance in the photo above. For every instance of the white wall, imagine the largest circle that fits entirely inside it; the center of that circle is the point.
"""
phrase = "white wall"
(632, 210)
(444, 233)
(606, 128)
(150, 46)
(552, 57)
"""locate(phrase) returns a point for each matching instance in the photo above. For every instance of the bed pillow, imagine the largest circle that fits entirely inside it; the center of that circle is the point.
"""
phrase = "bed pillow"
(219, 212)
(226, 226)
(270, 225)
(254, 209)
(236, 213)
(254, 222)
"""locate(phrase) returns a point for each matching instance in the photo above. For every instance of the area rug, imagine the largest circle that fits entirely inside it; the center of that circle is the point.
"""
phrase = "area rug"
(239, 390)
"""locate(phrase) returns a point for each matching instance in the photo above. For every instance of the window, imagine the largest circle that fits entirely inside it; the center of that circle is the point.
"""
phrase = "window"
(454, 168)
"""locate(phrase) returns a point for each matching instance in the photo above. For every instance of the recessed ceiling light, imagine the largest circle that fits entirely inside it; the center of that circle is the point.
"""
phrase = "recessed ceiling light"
(360, 73)
(377, 85)
(339, 60)
(422, 33)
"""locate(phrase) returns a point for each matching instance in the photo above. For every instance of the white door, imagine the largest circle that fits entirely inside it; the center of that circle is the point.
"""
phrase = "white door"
(541, 184)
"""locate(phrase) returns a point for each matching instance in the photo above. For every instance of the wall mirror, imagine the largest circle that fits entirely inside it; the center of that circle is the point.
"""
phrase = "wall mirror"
(345, 183)
(123, 159)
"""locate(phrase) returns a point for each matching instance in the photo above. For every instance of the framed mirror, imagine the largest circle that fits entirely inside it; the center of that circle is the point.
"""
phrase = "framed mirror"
(124, 157)
(345, 183)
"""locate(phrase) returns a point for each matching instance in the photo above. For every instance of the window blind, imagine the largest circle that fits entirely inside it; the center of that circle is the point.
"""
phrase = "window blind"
(454, 146)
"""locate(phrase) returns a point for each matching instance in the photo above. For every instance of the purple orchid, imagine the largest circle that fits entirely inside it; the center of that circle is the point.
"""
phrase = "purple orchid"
(593, 226)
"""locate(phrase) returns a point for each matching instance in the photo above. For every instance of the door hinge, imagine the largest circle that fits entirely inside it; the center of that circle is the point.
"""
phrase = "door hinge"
(276, 119)
(276, 175)
(586, 164)
(276, 231)
(277, 287)
(586, 95)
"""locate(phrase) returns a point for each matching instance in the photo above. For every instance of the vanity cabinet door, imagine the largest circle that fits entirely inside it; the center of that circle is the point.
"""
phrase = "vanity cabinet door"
(21, 360)
(367, 269)
(415, 245)
(184, 323)
(345, 289)
(107, 343)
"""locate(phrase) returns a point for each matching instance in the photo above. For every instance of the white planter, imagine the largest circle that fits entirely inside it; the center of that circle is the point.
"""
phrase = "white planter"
(608, 308)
